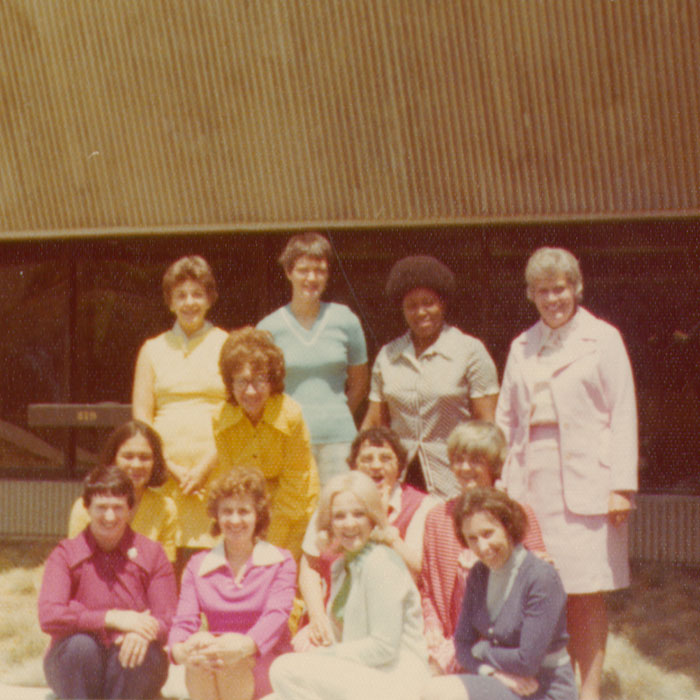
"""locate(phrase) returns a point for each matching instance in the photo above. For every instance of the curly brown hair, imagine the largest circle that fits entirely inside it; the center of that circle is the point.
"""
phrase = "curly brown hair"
(240, 481)
(479, 500)
(252, 346)
(191, 267)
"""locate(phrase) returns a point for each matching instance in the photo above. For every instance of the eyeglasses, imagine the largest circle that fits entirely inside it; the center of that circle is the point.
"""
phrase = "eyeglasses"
(258, 383)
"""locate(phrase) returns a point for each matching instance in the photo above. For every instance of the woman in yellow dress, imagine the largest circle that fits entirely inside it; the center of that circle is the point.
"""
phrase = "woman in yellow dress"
(178, 389)
(136, 448)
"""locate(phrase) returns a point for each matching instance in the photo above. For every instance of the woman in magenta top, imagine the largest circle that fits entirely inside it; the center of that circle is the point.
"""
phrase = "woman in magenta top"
(244, 587)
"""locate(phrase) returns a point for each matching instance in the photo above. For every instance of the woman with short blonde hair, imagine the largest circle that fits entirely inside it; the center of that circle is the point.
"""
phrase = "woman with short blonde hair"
(568, 410)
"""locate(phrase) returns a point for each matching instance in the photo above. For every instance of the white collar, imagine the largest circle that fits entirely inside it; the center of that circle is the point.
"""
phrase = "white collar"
(264, 554)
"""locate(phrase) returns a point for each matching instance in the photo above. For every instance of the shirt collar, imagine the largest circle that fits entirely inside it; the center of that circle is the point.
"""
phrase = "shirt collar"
(394, 505)
(186, 339)
(264, 554)
(511, 567)
(85, 546)
(352, 562)
(553, 335)
(444, 345)
(273, 414)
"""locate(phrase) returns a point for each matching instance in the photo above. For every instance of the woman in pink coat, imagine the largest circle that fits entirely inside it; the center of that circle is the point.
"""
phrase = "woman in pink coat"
(567, 407)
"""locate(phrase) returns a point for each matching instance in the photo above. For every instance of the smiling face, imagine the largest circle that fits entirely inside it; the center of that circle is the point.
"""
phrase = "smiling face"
(555, 299)
(380, 464)
(237, 517)
(424, 312)
(488, 539)
(190, 303)
(109, 517)
(251, 389)
(308, 278)
(350, 524)
(135, 457)
(471, 471)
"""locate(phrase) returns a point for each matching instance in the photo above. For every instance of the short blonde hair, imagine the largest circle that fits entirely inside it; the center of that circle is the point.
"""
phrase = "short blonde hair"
(362, 487)
(550, 262)
(479, 439)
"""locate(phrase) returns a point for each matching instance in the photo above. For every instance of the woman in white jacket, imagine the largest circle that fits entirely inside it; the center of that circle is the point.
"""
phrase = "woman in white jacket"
(374, 607)
(567, 407)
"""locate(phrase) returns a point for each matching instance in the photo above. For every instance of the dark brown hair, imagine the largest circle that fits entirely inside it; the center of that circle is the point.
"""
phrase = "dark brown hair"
(311, 244)
(125, 432)
(108, 480)
(377, 437)
(489, 500)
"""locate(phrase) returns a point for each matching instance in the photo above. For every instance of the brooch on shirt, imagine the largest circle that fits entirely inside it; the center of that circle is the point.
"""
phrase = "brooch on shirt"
(132, 553)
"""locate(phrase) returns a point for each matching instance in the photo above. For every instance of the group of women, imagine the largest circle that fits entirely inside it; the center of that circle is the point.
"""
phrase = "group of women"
(231, 493)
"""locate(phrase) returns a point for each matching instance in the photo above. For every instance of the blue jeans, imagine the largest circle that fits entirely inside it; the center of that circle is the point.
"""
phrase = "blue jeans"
(80, 667)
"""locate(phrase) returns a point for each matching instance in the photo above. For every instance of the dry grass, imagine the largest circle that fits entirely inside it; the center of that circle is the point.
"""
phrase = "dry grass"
(22, 643)
(658, 619)
(653, 649)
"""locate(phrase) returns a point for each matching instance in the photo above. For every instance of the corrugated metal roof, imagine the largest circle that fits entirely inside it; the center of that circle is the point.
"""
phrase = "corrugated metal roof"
(170, 114)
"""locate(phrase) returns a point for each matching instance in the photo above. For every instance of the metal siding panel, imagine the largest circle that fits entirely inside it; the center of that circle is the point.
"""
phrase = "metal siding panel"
(171, 113)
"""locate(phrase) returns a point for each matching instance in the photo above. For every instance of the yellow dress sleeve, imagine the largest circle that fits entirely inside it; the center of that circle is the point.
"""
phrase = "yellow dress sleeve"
(79, 518)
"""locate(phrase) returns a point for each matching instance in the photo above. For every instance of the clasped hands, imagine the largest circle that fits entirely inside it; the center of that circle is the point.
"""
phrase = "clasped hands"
(208, 651)
(138, 630)
(190, 480)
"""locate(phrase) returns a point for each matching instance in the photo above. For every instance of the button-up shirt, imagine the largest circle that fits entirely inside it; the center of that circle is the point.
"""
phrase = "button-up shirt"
(429, 395)
(278, 445)
(82, 582)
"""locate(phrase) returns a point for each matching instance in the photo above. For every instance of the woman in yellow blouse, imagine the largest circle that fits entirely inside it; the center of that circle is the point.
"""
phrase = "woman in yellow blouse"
(262, 427)
(136, 448)
(178, 390)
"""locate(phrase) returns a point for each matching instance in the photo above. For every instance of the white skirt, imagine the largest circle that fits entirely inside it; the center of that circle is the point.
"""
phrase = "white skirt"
(589, 553)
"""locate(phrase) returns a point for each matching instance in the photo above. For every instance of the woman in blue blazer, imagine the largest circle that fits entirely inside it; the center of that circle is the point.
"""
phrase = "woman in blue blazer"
(511, 635)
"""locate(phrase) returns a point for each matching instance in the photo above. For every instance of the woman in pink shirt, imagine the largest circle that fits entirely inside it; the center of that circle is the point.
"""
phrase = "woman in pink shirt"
(244, 587)
(107, 599)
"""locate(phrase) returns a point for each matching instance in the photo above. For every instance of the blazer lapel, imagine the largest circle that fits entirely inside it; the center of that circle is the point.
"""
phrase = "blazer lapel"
(580, 342)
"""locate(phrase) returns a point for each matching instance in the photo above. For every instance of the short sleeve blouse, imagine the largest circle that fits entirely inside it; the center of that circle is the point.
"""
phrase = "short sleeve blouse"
(429, 395)
(317, 361)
